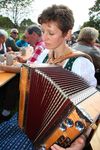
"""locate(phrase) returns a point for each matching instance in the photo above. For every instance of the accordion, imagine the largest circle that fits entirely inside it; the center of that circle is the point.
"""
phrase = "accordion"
(56, 105)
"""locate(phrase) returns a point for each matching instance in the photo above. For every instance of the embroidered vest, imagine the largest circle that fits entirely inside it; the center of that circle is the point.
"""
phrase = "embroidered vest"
(69, 64)
(72, 57)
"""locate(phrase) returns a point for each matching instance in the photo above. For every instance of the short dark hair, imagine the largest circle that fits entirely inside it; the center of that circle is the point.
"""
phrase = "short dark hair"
(34, 28)
(60, 14)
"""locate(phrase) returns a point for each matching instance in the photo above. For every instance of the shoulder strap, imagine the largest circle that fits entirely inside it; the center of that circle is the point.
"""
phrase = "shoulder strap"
(69, 64)
(72, 54)
(79, 53)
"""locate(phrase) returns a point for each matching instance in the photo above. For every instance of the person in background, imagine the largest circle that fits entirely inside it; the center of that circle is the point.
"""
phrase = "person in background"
(9, 93)
(86, 43)
(3, 37)
(22, 42)
(10, 42)
(33, 36)
(72, 40)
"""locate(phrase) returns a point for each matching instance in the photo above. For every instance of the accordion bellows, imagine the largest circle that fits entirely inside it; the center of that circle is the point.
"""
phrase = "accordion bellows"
(56, 105)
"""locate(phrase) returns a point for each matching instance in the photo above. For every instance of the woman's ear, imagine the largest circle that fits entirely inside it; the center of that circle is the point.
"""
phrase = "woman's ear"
(68, 35)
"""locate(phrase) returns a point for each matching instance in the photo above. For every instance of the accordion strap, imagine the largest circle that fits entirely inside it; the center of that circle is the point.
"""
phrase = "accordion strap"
(67, 55)
(79, 53)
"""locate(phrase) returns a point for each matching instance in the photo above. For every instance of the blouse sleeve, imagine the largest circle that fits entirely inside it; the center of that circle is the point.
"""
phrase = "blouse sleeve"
(84, 68)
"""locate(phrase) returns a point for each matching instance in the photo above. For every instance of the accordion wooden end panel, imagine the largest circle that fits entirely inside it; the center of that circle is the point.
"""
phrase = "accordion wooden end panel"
(23, 86)
(67, 131)
(56, 106)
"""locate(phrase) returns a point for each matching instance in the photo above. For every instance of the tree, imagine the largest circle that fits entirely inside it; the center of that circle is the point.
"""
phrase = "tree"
(5, 22)
(94, 17)
(25, 23)
(16, 10)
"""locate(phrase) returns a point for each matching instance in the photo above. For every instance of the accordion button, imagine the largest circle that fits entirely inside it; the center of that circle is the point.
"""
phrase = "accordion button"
(63, 127)
(69, 122)
(79, 126)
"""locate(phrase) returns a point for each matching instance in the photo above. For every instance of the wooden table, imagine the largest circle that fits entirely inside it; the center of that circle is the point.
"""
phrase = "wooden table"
(5, 77)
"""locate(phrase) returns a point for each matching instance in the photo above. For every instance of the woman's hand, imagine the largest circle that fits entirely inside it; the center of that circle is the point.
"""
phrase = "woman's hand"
(78, 144)
(20, 59)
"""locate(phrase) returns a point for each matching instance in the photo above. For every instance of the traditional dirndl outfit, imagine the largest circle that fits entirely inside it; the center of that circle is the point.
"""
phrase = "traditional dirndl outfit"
(11, 136)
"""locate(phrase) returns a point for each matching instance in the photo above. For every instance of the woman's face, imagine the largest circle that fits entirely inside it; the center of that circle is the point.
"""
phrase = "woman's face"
(52, 35)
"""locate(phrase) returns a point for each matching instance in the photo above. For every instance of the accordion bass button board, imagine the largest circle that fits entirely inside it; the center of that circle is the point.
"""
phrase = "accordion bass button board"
(56, 105)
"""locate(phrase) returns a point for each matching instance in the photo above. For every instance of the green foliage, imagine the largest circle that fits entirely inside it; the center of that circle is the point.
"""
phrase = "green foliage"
(94, 17)
(15, 9)
(5, 22)
(95, 8)
(25, 23)
(16, 3)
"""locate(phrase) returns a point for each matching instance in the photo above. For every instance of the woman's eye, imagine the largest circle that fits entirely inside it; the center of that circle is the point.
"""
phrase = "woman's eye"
(51, 33)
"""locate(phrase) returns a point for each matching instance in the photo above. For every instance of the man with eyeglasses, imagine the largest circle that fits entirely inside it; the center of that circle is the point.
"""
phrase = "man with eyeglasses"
(10, 42)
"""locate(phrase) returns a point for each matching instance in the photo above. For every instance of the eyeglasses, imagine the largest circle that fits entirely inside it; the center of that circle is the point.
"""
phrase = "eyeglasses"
(14, 32)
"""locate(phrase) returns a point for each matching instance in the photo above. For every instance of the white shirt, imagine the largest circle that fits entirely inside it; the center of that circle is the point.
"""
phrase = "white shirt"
(81, 66)
(84, 68)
